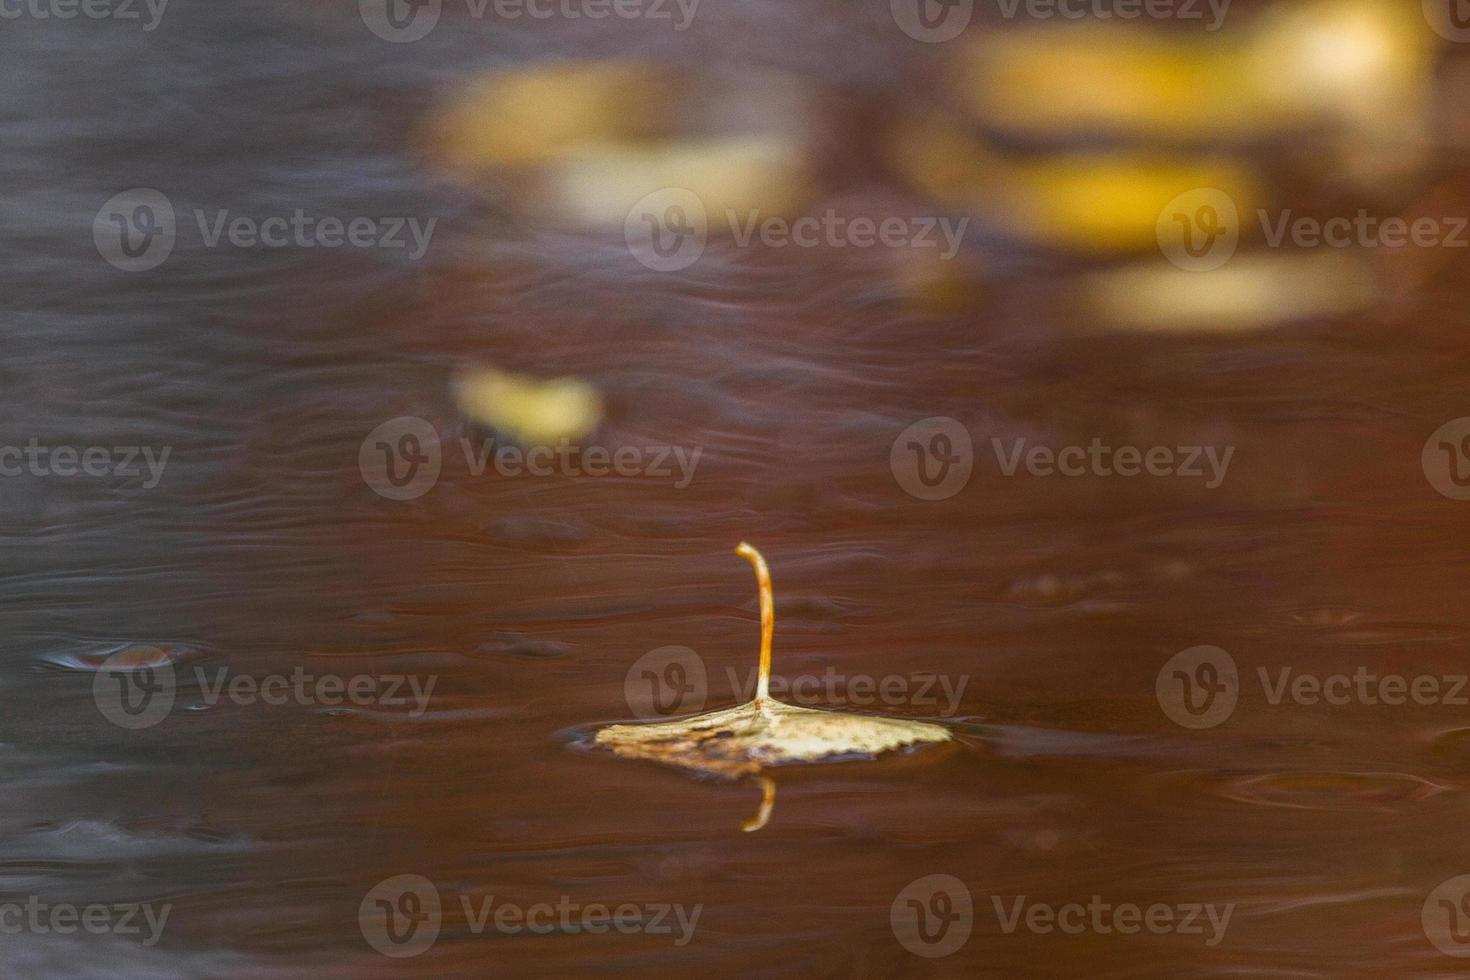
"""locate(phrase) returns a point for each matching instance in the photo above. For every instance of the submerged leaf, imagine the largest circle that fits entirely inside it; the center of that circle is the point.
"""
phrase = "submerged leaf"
(762, 732)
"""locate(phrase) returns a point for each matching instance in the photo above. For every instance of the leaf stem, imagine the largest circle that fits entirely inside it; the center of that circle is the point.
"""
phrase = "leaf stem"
(768, 800)
(768, 616)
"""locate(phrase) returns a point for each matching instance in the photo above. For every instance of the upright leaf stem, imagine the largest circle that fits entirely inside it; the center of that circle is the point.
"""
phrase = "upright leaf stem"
(768, 616)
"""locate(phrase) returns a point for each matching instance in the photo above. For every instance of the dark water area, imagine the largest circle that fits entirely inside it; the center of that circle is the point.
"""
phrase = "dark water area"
(1049, 605)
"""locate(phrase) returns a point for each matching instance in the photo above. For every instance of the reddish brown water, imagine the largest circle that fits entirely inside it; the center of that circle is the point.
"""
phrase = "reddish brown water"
(1054, 601)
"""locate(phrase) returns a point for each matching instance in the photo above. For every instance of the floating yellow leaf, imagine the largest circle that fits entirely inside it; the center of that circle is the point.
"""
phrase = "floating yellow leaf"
(583, 144)
(528, 410)
(763, 732)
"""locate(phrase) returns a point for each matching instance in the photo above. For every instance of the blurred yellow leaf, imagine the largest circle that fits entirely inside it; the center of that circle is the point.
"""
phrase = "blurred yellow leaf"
(530, 411)
(584, 143)
(1099, 202)
(1251, 292)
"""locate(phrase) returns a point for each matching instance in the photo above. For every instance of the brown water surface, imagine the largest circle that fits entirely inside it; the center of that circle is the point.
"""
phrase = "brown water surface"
(1054, 600)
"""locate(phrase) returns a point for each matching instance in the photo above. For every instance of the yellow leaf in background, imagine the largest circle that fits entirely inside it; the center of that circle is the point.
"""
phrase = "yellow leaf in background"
(1058, 80)
(598, 186)
(1348, 57)
(1366, 66)
(1248, 293)
(584, 143)
(1110, 202)
(1094, 202)
(534, 116)
(528, 410)
(763, 732)
(1357, 62)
